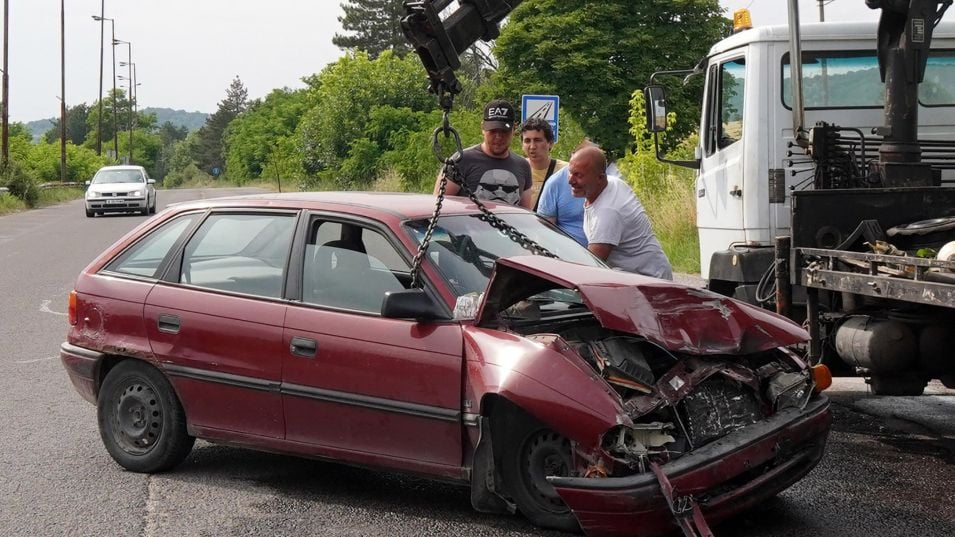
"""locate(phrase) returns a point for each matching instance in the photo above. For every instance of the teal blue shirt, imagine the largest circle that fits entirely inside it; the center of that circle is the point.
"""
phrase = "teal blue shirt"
(558, 201)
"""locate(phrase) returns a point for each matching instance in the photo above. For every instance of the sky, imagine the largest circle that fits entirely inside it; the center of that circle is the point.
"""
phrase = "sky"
(188, 51)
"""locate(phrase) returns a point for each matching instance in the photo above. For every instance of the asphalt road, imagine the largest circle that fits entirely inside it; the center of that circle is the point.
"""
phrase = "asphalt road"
(889, 471)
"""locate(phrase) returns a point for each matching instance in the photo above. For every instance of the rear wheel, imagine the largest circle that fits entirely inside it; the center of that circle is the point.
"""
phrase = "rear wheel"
(530, 455)
(141, 421)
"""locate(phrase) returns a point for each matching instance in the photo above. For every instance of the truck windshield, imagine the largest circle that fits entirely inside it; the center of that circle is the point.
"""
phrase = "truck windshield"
(850, 79)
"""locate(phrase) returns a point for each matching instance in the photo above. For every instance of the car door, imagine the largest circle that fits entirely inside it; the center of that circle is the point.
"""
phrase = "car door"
(215, 321)
(357, 385)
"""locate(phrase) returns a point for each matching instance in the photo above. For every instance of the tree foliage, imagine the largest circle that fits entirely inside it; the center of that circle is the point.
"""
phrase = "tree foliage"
(208, 151)
(373, 26)
(347, 94)
(76, 125)
(254, 135)
(594, 54)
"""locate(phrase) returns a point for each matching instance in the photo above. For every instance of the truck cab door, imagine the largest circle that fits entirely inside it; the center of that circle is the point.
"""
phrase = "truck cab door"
(719, 186)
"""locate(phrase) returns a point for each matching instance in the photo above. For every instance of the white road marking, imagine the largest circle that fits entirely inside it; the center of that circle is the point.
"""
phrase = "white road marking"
(45, 308)
(47, 359)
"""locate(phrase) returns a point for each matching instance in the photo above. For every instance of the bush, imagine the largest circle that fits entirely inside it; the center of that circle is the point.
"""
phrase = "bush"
(20, 182)
(191, 174)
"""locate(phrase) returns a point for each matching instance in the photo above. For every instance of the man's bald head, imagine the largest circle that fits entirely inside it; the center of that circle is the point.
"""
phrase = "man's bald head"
(588, 175)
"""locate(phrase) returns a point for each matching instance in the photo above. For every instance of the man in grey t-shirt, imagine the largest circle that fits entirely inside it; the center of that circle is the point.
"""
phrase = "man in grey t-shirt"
(617, 228)
(490, 169)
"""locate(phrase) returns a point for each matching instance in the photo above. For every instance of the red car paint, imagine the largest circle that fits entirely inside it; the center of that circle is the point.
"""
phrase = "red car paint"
(403, 395)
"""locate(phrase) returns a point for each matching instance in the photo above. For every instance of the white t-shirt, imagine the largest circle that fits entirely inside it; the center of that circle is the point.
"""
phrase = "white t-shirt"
(617, 218)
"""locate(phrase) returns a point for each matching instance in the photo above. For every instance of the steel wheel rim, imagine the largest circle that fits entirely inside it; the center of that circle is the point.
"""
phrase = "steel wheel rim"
(545, 453)
(138, 418)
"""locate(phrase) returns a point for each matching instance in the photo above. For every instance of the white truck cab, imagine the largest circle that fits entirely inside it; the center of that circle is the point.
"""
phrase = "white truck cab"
(746, 131)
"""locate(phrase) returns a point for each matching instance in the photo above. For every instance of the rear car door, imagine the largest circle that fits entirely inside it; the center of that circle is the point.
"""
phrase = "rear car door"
(215, 321)
(358, 385)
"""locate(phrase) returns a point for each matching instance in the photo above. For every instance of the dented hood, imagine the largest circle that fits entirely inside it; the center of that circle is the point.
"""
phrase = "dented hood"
(674, 316)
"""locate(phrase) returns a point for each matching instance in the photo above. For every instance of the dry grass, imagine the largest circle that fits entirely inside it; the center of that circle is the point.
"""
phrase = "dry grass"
(672, 210)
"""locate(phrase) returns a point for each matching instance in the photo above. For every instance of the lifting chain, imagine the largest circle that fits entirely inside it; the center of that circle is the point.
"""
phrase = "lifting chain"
(449, 171)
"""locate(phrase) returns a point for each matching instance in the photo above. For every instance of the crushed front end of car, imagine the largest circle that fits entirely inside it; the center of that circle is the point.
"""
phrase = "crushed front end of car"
(692, 406)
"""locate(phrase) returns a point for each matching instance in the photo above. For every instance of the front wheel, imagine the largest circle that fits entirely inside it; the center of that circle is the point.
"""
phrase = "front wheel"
(141, 421)
(530, 455)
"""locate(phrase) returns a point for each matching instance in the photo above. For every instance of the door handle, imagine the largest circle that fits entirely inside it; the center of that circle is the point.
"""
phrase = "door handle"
(303, 346)
(169, 324)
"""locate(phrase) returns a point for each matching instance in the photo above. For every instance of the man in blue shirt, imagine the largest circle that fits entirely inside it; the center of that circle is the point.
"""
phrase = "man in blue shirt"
(559, 206)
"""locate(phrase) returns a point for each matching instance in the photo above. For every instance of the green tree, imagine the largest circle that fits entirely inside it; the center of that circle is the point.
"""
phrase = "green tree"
(346, 93)
(253, 136)
(209, 153)
(594, 54)
(109, 125)
(76, 125)
(373, 26)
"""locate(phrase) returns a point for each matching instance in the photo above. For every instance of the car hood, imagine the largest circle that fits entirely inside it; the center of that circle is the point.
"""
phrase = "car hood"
(674, 316)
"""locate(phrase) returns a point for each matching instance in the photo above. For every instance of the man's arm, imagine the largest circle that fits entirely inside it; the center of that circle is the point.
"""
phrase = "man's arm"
(527, 199)
(600, 249)
(450, 189)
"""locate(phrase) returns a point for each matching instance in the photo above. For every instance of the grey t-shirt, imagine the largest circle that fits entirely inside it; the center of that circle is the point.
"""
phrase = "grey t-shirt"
(494, 179)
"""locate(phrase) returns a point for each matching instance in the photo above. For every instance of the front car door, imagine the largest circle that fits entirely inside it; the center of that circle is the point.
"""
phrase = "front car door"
(359, 386)
(215, 322)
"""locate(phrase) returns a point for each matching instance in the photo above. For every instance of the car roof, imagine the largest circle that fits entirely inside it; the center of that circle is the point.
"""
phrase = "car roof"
(122, 167)
(400, 205)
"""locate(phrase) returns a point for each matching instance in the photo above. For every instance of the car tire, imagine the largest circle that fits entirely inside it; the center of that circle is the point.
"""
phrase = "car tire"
(152, 208)
(532, 452)
(89, 213)
(141, 422)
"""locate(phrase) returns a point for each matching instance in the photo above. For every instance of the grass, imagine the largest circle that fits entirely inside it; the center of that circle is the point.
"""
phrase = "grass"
(672, 211)
(10, 204)
(50, 196)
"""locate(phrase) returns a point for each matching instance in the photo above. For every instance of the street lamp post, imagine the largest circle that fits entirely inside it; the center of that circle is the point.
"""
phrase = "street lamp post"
(134, 103)
(102, 31)
(5, 116)
(112, 25)
(63, 90)
(129, 51)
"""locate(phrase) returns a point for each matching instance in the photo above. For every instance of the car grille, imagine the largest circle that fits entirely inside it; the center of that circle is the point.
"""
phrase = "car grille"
(114, 194)
(718, 407)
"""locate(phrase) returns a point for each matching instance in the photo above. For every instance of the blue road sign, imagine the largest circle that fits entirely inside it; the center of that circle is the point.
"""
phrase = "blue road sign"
(545, 107)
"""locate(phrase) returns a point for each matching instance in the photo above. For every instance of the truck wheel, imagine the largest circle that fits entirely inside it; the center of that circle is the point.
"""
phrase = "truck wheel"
(141, 421)
(898, 385)
(531, 453)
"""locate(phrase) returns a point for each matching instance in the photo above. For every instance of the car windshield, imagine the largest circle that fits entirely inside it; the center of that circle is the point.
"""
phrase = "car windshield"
(104, 177)
(464, 248)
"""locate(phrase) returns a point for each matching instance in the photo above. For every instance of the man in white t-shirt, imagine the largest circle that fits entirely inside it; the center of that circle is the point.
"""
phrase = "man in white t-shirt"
(617, 228)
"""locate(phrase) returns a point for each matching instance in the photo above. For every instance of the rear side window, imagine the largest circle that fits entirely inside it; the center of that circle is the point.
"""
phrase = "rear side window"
(145, 257)
(240, 253)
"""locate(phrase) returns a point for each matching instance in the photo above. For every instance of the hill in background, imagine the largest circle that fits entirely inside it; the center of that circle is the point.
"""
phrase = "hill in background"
(179, 118)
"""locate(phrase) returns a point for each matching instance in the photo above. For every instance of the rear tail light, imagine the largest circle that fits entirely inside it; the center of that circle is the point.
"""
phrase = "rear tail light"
(71, 308)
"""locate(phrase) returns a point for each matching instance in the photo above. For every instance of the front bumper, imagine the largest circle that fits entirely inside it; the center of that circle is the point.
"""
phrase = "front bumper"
(116, 205)
(82, 365)
(726, 476)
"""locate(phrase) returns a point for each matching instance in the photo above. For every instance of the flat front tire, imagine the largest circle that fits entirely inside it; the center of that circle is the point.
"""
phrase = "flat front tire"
(141, 421)
(530, 455)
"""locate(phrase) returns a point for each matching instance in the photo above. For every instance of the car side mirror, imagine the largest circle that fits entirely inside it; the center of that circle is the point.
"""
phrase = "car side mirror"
(88, 183)
(150, 181)
(411, 304)
(656, 108)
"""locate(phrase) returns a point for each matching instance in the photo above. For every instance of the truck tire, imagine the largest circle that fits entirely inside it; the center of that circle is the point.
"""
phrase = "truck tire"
(898, 385)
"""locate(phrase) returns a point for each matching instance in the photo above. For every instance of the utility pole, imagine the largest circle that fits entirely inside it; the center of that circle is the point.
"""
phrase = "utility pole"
(63, 90)
(5, 150)
(822, 11)
(102, 31)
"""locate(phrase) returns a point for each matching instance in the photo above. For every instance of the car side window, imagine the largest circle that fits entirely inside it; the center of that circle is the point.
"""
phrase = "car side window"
(350, 267)
(240, 253)
(145, 257)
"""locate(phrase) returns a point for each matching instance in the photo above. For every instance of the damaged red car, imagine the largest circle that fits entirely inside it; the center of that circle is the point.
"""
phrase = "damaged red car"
(582, 397)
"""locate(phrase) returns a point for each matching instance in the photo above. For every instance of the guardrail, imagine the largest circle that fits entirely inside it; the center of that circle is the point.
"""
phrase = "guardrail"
(55, 184)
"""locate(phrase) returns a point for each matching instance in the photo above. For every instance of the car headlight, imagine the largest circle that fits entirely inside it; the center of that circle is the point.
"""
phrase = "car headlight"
(787, 390)
(92, 194)
(138, 194)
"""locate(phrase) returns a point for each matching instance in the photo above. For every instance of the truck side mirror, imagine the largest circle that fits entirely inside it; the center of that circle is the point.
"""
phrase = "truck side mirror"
(656, 107)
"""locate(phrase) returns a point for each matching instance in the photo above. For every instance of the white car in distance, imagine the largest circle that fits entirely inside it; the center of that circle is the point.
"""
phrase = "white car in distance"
(119, 189)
